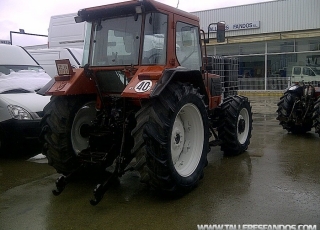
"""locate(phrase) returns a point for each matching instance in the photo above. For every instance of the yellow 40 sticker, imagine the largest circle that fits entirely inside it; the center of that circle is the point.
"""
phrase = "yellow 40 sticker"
(143, 86)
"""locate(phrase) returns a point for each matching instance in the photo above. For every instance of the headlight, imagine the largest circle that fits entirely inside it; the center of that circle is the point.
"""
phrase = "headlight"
(19, 113)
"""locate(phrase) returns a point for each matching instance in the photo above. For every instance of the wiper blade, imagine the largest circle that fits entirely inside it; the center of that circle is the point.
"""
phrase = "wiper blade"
(11, 91)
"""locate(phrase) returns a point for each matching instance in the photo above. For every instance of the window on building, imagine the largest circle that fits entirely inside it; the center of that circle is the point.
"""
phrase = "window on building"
(309, 44)
(278, 69)
(282, 46)
(252, 48)
(227, 50)
(251, 72)
(251, 66)
(277, 64)
(285, 58)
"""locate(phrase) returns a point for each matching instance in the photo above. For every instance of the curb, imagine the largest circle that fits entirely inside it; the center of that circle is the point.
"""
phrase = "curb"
(261, 93)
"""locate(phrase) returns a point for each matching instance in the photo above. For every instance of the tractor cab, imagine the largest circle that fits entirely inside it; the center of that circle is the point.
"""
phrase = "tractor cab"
(134, 41)
(140, 33)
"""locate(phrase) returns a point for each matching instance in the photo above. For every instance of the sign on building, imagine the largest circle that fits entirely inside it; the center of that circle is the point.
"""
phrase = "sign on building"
(238, 26)
(5, 42)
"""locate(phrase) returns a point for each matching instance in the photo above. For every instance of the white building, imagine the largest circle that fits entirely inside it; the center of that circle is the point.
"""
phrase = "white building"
(268, 39)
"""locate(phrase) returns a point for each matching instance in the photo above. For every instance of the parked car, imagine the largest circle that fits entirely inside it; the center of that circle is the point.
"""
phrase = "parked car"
(20, 106)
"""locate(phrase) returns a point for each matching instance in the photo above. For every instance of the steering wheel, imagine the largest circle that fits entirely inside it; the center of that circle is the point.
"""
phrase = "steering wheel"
(154, 58)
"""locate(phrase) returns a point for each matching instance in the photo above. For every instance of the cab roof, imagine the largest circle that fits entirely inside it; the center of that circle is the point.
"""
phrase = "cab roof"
(128, 8)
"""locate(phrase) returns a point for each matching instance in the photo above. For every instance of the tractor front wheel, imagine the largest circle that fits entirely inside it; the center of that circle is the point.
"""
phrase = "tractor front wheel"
(235, 125)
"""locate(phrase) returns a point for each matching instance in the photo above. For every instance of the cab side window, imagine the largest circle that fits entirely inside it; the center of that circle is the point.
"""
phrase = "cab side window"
(188, 46)
(155, 39)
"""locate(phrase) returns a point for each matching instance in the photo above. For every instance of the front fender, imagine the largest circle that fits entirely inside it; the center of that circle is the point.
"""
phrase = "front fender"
(47, 87)
(77, 84)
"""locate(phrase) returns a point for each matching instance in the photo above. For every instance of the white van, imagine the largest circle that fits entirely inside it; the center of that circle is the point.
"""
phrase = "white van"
(21, 108)
(305, 73)
(46, 58)
(65, 32)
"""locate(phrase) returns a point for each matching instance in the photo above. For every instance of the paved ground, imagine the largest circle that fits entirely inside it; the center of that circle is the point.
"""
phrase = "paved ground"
(277, 181)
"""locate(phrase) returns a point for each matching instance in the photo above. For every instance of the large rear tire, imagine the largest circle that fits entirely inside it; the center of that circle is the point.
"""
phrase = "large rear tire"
(316, 116)
(235, 125)
(171, 139)
(285, 107)
(3, 142)
(64, 127)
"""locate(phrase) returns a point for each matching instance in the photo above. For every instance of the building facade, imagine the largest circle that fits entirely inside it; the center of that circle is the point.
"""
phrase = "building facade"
(276, 42)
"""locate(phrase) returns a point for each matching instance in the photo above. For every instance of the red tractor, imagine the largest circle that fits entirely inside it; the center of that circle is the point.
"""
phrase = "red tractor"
(144, 100)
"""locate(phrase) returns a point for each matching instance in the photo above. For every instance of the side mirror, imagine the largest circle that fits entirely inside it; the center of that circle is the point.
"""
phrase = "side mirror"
(221, 32)
(221, 29)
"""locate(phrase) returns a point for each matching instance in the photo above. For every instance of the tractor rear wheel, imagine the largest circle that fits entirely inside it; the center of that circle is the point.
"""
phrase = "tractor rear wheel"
(316, 116)
(3, 142)
(171, 139)
(64, 127)
(235, 125)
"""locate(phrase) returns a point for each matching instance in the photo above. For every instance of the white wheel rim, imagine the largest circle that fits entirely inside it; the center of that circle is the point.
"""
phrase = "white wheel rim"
(187, 139)
(243, 126)
(83, 119)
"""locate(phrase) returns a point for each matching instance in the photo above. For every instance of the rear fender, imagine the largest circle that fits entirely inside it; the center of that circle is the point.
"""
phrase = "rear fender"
(297, 89)
(149, 81)
(182, 75)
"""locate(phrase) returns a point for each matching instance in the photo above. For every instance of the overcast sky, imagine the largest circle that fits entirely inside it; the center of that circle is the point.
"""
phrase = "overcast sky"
(34, 15)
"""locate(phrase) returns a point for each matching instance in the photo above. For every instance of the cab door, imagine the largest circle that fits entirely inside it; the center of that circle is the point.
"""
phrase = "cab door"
(187, 42)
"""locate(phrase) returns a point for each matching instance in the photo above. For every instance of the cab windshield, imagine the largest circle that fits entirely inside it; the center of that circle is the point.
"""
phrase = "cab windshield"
(116, 41)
